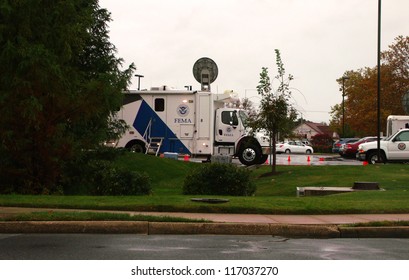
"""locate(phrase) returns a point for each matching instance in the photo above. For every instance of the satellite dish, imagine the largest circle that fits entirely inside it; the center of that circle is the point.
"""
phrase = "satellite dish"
(205, 72)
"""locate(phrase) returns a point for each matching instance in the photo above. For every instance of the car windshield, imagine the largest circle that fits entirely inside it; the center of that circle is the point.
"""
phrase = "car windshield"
(390, 137)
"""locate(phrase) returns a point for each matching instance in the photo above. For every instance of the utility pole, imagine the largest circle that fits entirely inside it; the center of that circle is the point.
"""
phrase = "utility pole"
(379, 84)
(343, 105)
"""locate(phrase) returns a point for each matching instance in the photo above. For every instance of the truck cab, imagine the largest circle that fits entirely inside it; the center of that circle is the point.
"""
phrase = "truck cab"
(232, 137)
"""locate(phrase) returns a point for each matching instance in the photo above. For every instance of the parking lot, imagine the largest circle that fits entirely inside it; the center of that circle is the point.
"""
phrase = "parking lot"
(304, 159)
(319, 159)
(301, 159)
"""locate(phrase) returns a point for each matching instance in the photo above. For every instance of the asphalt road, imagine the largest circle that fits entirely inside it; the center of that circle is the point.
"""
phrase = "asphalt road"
(187, 247)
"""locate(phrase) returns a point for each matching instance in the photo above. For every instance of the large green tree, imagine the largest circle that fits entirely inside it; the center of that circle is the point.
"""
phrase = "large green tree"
(59, 82)
(276, 115)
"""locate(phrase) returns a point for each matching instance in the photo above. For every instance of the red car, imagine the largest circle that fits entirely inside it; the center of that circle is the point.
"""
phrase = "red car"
(350, 149)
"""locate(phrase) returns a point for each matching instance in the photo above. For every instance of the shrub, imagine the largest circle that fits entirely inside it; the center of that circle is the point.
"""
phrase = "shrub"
(322, 143)
(93, 173)
(322, 149)
(219, 179)
(108, 180)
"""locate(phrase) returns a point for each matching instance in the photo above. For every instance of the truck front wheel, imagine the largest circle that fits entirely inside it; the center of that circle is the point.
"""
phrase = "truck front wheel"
(250, 155)
(263, 159)
(373, 157)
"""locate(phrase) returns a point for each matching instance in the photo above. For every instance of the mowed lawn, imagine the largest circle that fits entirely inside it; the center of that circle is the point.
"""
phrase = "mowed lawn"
(275, 194)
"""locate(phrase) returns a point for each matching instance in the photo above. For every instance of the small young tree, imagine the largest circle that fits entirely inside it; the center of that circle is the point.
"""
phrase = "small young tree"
(276, 115)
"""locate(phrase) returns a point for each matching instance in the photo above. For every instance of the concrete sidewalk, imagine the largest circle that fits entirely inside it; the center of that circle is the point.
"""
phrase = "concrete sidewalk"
(239, 218)
(286, 219)
(305, 226)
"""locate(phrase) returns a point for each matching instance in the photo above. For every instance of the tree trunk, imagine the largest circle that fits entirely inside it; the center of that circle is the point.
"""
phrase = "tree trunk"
(274, 163)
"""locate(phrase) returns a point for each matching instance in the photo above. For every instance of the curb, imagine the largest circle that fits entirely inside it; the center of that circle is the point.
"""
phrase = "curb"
(305, 231)
(209, 228)
(374, 232)
(74, 227)
(295, 231)
(152, 228)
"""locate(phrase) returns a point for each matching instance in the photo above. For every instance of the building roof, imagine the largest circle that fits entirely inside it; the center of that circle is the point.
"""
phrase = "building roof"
(319, 128)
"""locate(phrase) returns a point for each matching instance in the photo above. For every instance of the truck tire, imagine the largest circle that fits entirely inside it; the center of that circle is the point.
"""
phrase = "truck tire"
(263, 159)
(250, 155)
(136, 147)
(373, 157)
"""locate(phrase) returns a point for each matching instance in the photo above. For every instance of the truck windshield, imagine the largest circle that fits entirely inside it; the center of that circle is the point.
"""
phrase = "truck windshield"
(244, 118)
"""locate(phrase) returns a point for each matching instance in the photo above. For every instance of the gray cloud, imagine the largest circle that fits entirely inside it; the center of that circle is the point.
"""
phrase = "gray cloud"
(318, 39)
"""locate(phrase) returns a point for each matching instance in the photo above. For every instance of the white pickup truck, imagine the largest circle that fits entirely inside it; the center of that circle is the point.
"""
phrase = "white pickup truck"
(393, 148)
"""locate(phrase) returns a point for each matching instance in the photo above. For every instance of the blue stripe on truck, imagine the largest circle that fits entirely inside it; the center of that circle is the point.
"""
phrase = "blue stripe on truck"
(158, 129)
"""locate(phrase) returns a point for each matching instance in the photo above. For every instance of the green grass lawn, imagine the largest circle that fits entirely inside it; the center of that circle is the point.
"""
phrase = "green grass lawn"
(275, 194)
(94, 216)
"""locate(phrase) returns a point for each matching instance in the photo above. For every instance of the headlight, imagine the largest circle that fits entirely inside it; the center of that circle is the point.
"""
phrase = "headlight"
(111, 143)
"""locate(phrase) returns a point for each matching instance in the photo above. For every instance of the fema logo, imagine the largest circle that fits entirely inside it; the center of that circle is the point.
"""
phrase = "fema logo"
(402, 146)
(182, 110)
(228, 129)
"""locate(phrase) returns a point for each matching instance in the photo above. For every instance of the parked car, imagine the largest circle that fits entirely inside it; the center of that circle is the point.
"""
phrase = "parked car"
(337, 145)
(293, 147)
(350, 149)
(393, 148)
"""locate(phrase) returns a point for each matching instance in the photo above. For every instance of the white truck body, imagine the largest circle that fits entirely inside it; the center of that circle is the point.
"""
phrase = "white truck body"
(395, 123)
(196, 123)
(394, 148)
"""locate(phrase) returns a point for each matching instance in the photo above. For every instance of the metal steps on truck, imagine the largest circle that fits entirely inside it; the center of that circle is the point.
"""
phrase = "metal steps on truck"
(154, 146)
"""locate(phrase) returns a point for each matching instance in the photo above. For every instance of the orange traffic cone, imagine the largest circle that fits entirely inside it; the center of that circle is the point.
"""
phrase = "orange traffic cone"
(308, 159)
(289, 158)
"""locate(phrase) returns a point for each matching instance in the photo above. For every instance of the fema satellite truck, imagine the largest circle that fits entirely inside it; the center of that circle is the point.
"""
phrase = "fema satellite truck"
(196, 123)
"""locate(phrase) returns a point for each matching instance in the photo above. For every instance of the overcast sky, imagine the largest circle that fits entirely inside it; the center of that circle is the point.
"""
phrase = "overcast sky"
(318, 39)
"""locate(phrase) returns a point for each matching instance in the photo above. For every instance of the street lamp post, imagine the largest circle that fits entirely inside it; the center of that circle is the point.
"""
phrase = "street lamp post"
(378, 148)
(139, 80)
(343, 105)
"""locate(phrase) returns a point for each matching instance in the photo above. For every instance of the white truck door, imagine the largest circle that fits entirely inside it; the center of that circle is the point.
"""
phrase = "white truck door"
(204, 116)
(159, 106)
(398, 148)
(228, 127)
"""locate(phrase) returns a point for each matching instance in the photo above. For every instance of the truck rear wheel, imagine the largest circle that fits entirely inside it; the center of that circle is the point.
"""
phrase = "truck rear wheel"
(136, 147)
(250, 155)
